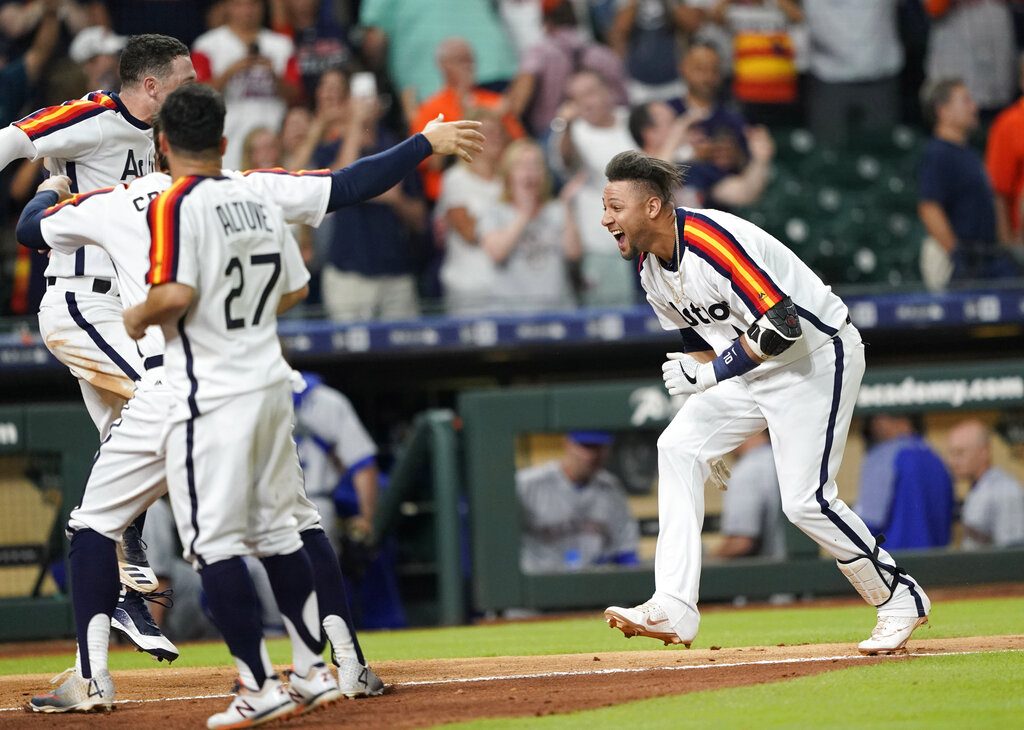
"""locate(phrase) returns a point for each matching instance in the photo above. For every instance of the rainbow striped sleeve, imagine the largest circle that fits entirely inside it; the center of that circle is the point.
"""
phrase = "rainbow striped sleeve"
(718, 247)
(54, 118)
(74, 200)
(293, 173)
(164, 217)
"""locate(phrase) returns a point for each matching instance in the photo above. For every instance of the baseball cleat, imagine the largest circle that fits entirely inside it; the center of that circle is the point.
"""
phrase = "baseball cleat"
(647, 619)
(77, 694)
(356, 680)
(316, 689)
(250, 708)
(132, 563)
(133, 619)
(891, 634)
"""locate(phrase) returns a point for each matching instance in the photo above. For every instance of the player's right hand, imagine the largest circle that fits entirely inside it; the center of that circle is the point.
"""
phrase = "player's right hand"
(683, 375)
(460, 138)
(133, 322)
(60, 184)
(720, 473)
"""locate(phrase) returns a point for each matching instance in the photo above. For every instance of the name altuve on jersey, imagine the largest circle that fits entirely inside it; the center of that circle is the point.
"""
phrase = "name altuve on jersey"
(243, 215)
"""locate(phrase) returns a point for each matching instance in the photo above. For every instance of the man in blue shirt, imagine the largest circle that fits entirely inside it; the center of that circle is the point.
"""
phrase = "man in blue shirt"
(906, 492)
(955, 198)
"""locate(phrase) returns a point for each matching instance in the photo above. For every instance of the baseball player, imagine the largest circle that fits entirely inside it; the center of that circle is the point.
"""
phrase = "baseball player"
(767, 345)
(103, 139)
(134, 447)
(221, 265)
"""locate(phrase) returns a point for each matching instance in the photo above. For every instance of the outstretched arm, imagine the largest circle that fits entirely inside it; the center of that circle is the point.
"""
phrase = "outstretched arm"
(372, 176)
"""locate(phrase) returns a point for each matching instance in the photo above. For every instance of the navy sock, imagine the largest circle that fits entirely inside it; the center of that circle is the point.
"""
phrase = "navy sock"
(95, 585)
(330, 586)
(291, 577)
(140, 522)
(231, 598)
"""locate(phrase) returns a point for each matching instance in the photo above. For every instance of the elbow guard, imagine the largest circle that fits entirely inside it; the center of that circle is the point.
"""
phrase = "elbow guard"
(776, 331)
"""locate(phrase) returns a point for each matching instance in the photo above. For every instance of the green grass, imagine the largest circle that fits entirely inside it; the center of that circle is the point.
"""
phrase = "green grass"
(740, 627)
(979, 691)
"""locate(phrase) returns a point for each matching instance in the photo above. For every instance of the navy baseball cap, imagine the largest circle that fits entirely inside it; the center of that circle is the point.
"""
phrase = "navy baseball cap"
(591, 438)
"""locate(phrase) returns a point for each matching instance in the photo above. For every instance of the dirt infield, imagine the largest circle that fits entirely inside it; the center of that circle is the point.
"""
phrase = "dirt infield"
(423, 693)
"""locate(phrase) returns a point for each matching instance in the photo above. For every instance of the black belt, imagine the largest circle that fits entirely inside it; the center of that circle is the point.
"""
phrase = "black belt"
(99, 286)
(153, 362)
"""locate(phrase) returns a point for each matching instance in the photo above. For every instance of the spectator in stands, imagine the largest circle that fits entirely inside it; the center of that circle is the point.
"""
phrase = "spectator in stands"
(254, 68)
(574, 512)
(19, 77)
(645, 34)
(973, 40)
(321, 42)
(20, 19)
(1004, 161)
(956, 203)
(752, 520)
(993, 511)
(182, 19)
(96, 49)
(763, 55)
(457, 62)
(660, 133)
(362, 282)
(408, 33)
(855, 62)
(295, 130)
(531, 237)
(546, 66)
(261, 150)
(469, 190)
(701, 70)
(906, 492)
(590, 129)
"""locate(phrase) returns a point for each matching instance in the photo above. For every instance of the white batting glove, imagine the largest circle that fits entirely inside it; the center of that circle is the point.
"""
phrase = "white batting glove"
(720, 473)
(683, 375)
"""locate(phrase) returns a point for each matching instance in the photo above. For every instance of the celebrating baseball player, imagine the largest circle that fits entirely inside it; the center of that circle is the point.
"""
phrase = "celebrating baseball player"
(766, 345)
(221, 266)
(99, 140)
(135, 446)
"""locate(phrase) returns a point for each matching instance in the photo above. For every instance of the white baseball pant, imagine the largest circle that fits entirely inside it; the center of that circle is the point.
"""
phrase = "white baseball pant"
(806, 407)
(231, 476)
(130, 469)
(85, 331)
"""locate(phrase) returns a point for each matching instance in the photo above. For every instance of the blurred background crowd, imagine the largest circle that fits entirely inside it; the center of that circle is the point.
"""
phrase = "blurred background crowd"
(880, 139)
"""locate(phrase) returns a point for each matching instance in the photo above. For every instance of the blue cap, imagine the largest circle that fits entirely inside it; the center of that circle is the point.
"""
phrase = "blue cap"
(591, 438)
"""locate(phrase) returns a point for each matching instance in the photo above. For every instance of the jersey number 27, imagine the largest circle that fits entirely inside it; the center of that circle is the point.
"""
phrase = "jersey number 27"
(235, 265)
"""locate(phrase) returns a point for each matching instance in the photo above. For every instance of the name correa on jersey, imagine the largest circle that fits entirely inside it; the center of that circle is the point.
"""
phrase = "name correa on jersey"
(718, 247)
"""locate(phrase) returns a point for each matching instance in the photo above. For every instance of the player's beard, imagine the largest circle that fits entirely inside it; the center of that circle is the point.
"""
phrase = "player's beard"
(630, 253)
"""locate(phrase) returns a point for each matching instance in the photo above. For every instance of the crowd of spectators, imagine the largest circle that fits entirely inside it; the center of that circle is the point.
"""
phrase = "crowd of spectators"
(561, 86)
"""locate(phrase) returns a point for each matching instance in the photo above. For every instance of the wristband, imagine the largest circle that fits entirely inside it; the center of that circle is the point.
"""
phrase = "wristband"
(734, 361)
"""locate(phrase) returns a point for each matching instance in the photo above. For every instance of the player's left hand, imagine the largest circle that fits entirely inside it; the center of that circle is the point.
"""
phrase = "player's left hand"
(460, 138)
(720, 473)
(683, 375)
(133, 322)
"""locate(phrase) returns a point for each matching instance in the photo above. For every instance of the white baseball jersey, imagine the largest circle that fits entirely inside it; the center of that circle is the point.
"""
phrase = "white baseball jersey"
(96, 142)
(229, 244)
(73, 224)
(732, 272)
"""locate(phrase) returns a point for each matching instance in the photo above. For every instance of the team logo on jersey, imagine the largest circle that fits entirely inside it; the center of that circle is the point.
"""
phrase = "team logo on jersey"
(696, 315)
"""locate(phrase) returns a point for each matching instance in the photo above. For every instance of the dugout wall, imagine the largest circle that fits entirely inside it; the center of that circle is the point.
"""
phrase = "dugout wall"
(494, 419)
(45, 455)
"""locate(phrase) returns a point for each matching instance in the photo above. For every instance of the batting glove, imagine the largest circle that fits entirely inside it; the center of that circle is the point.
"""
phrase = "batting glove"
(683, 375)
(720, 473)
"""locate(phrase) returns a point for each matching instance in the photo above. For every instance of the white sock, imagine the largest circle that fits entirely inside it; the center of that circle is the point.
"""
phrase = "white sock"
(303, 658)
(97, 638)
(340, 638)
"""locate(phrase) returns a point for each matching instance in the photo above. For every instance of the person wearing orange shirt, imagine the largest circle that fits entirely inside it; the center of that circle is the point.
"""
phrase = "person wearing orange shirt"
(460, 94)
(1004, 159)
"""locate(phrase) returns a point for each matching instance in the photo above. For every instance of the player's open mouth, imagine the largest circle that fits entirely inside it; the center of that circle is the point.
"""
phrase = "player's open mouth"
(619, 235)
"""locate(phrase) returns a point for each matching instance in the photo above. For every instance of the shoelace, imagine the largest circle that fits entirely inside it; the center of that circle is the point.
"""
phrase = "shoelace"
(59, 677)
(161, 598)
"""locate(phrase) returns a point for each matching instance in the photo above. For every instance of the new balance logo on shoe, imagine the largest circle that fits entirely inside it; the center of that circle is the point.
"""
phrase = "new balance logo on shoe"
(94, 689)
(244, 707)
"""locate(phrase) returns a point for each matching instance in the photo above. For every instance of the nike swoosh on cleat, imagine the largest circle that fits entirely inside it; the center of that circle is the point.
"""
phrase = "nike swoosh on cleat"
(658, 622)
